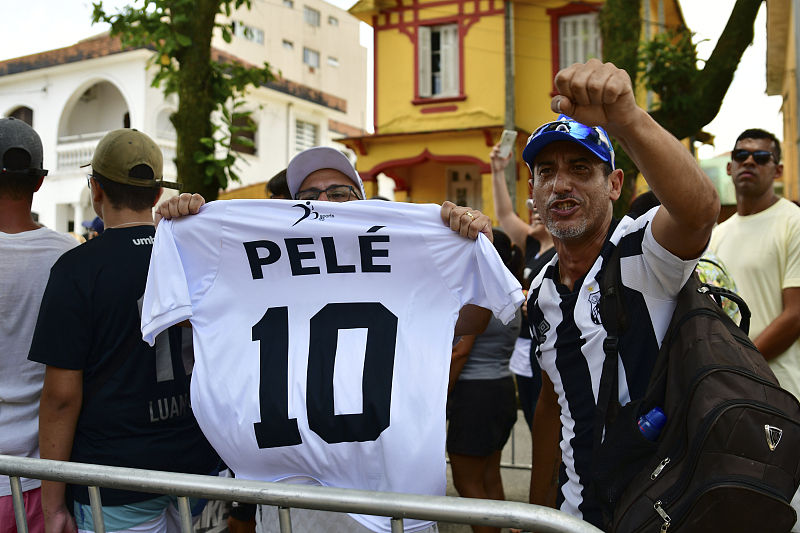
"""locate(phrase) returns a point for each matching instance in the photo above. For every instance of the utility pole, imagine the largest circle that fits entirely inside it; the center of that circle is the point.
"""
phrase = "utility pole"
(510, 115)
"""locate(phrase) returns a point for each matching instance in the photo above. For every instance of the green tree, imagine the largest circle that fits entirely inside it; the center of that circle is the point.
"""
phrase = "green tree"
(179, 32)
(689, 97)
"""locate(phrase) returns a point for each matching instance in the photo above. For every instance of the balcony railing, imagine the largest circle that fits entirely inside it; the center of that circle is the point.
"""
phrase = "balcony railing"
(76, 150)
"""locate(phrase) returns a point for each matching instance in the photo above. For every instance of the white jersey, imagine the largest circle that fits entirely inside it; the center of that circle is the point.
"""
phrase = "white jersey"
(322, 335)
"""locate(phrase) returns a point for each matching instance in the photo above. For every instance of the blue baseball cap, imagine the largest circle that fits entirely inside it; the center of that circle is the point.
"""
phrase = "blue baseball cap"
(593, 138)
(96, 224)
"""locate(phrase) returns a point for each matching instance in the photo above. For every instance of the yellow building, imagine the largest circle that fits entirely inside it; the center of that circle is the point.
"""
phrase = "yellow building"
(782, 64)
(445, 87)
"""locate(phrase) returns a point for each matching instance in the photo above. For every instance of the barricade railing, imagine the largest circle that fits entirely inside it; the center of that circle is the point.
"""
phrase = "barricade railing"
(285, 496)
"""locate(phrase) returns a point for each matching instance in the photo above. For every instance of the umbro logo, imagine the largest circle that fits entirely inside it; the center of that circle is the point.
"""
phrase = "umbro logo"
(309, 212)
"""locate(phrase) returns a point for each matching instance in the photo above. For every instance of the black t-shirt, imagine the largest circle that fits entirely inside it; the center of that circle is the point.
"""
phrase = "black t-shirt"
(135, 410)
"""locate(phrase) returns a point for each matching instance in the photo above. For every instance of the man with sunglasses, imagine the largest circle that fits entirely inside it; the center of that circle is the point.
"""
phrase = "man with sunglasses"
(575, 183)
(760, 245)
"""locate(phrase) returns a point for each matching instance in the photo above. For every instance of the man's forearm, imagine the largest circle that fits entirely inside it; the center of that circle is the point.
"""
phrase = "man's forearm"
(671, 171)
(778, 336)
(59, 408)
(545, 453)
(515, 227)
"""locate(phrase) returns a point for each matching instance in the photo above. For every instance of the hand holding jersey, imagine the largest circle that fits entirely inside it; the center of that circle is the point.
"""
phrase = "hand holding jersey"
(335, 330)
(353, 374)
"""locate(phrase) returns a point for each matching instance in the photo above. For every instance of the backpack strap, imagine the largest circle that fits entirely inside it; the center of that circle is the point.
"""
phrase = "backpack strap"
(614, 319)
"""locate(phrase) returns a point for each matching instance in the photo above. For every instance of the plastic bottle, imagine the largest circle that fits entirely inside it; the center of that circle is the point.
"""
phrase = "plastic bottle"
(651, 423)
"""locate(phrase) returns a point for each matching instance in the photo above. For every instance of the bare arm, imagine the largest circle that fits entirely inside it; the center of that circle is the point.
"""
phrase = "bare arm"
(515, 227)
(59, 407)
(472, 320)
(459, 358)
(600, 94)
(546, 453)
(784, 330)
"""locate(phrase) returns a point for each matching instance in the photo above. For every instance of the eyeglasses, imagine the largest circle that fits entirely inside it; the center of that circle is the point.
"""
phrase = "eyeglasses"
(761, 157)
(89, 181)
(334, 193)
(576, 130)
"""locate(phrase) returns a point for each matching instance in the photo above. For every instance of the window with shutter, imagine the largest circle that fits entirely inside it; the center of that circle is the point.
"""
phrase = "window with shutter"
(305, 135)
(438, 61)
(579, 39)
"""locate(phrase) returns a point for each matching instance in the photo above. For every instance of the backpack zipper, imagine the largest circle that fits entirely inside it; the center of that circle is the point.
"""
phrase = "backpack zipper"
(664, 516)
(678, 451)
(680, 512)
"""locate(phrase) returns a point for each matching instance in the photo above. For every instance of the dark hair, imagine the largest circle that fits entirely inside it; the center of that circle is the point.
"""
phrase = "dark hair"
(132, 197)
(756, 133)
(277, 186)
(17, 186)
(642, 204)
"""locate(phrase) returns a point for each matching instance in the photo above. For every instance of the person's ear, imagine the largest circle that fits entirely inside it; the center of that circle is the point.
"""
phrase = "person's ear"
(97, 191)
(778, 171)
(38, 184)
(728, 168)
(615, 180)
(158, 196)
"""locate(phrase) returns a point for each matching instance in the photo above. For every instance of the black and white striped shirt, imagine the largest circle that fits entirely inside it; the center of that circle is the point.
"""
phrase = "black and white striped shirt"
(568, 334)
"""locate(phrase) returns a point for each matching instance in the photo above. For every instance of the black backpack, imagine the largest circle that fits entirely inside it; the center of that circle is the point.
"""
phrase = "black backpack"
(728, 458)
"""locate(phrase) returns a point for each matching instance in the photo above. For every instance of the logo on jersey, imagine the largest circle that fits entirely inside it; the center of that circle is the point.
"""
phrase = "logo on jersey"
(594, 301)
(143, 240)
(309, 211)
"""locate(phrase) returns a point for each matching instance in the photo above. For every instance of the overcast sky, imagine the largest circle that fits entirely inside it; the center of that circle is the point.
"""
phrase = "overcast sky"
(38, 25)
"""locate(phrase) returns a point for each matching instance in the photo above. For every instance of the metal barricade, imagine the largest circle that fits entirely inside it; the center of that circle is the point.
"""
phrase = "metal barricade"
(286, 496)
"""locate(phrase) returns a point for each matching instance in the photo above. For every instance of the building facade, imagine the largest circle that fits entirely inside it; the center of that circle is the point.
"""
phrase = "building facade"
(783, 26)
(450, 75)
(74, 95)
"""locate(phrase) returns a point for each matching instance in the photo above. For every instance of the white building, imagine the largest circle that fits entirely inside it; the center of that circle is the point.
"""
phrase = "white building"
(74, 95)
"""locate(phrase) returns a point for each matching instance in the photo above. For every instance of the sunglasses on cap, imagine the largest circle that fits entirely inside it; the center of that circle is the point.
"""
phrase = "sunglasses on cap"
(761, 157)
(589, 135)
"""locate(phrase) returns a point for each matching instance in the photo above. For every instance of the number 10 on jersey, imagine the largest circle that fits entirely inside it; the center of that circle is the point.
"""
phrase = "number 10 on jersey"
(272, 333)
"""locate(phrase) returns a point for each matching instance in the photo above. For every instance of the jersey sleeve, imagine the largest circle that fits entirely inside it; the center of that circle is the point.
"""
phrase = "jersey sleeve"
(62, 337)
(475, 273)
(166, 297)
(656, 271)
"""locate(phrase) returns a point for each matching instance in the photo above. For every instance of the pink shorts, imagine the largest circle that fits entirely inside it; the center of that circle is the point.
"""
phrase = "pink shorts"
(33, 511)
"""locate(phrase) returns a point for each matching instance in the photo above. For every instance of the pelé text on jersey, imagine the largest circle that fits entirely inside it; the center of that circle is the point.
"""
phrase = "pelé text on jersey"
(310, 255)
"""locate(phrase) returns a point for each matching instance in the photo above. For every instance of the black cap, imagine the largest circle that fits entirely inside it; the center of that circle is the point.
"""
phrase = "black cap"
(20, 149)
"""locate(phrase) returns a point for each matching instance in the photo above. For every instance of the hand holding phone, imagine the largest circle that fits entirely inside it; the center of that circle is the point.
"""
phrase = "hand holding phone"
(507, 142)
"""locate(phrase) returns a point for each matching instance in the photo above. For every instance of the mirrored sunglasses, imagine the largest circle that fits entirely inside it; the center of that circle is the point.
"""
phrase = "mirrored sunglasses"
(576, 130)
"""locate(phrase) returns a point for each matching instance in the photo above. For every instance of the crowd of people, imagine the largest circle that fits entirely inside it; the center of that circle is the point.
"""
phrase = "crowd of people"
(79, 383)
